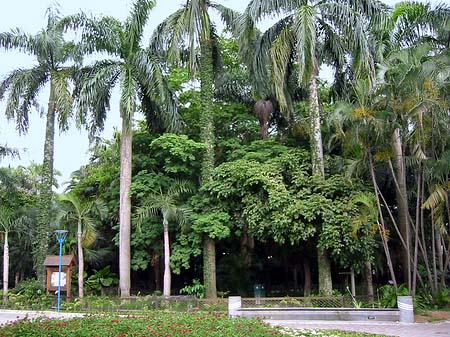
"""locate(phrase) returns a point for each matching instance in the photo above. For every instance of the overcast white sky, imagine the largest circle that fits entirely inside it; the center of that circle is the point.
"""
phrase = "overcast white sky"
(29, 15)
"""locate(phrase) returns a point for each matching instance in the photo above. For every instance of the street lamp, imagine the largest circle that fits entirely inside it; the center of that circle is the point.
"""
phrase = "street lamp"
(61, 235)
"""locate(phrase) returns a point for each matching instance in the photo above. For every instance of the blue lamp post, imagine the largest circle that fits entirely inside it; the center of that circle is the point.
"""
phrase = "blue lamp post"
(61, 235)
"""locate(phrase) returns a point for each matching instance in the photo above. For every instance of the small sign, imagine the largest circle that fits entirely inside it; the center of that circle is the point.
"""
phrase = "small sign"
(55, 279)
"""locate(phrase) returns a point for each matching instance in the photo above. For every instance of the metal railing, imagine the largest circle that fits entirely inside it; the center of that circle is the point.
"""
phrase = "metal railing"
(309, 302)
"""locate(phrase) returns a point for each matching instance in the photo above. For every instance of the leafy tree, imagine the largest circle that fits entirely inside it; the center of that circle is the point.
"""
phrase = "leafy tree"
(310, 32)
(54, 57)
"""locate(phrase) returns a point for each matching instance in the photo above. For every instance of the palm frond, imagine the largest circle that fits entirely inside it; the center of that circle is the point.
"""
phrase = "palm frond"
(101, 35)
(280, 55)
(259, 56)
(168, 38)
(228, 16)
(306, 36)
(93, 92)
(259, 10)
(156, 88)
(63, 102)
(23, 85)
(129, 87)
(135, 24)
(437, 197)
(18, 40)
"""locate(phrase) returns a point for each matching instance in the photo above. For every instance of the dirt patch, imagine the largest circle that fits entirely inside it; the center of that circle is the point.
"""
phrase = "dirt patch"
(432, 316)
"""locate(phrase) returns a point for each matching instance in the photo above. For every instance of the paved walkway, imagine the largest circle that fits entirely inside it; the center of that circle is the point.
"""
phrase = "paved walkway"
(9, 316)
(438, 329)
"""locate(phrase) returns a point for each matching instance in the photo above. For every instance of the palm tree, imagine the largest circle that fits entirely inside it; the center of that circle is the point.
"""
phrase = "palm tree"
(410, 81)
(53, 56)
(309, 32)
(405, 70)
(360, 130)
(82, 213)
(10, 221)
(165, 203)
(191, 28)
(139, 75)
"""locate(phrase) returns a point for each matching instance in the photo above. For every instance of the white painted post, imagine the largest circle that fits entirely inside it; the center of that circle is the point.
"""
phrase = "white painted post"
(405, 305)
(234, 304)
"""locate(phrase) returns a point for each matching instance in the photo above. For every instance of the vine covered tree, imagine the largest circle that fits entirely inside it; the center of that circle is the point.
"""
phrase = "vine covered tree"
(191, 28)
(54, 57)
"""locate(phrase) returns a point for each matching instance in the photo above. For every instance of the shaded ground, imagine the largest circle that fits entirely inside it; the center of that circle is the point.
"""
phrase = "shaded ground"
(432, 316)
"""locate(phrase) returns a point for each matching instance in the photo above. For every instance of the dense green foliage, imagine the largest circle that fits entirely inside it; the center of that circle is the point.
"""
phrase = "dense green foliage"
(157, 324)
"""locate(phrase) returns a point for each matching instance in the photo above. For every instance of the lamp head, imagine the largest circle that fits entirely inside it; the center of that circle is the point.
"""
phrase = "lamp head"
(61, 234)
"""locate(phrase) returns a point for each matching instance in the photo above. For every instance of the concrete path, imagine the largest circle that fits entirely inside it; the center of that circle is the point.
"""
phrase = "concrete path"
(438, 329)
(9, 316)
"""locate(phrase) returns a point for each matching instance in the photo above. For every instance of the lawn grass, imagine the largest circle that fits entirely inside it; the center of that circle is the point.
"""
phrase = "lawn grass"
(156, 324)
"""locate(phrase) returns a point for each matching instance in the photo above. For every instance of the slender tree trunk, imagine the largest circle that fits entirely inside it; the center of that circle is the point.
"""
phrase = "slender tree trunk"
(208, 138)
(325, 281)
(416, 236)
(402, 204)
(422, 228)
(156, 264)
(381, 225)
(442, 247)
(42, 233)
(125, 210)
(80, 262)
(5, 268)
(368, 280)
(307, 282)
(433, 247)
(167, 277)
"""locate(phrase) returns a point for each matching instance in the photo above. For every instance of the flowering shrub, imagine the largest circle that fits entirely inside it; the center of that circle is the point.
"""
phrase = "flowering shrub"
(156, 324)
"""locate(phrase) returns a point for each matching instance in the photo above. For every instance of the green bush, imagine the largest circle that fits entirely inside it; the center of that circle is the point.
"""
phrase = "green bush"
(442, 298)
(29, 289)
(388, 295)
(30, 294)
(157, 324)
(196, 289)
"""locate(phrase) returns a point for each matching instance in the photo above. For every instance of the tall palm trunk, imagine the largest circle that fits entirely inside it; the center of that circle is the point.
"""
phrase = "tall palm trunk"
(325, 281)
(80, 262)
(402, 204)
(125, 209)
(316, 133)
(42, 234)
(208, 138)
(5, 268)
(167, 278)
